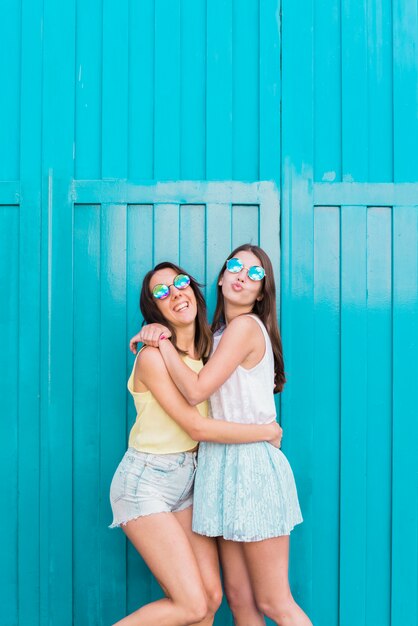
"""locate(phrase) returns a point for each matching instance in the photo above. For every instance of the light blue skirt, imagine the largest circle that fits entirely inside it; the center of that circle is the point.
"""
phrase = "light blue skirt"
(244, 492)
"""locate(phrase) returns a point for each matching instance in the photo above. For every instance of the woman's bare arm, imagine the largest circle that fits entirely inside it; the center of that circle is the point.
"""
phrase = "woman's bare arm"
(151, 371)
(238, 340)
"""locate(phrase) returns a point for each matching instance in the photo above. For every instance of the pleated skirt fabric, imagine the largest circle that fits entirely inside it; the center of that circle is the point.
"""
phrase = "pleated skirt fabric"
(244, 492)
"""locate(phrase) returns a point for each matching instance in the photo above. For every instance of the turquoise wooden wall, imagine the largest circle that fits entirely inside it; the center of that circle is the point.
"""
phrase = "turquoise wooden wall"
(137, 131)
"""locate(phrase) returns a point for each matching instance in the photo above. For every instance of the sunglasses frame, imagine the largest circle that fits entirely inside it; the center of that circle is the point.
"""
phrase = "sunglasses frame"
(168, 287)
(244, 267)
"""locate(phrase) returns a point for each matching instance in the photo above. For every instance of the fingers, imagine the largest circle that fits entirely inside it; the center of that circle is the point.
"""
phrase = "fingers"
(150, 336)
(133, 345)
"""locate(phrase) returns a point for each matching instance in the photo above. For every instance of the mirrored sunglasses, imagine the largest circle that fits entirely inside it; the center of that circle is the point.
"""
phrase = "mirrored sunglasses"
(161, 291)
(255, 272)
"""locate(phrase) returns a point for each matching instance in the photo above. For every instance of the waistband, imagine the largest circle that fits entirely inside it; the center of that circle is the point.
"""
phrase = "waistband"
(176, 457)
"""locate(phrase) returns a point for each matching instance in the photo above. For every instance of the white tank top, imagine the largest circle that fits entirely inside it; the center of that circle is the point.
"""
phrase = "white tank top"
(247, 395)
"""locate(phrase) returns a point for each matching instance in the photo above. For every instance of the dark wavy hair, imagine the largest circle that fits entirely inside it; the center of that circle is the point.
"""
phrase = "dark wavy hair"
(152, 314)
(264, 308)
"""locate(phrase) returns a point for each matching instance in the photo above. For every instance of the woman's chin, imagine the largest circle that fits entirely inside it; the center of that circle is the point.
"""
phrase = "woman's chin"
(185, 319)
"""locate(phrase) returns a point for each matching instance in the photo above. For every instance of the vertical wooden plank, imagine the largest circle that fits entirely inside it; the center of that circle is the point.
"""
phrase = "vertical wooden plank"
(141, 90)
(192, 240)
(88, 87)
(380, 92)
(86, 420)
(29, 298)
(405, 96)
(219, 90)
(355, 145)
(405, 323)
(112, 402)
(405, 410)
(245, 100)
(245, 224)
(167, 90)
(327, 90)
(193, 90)
(270, 90)
(326, 416)
(218, 247)
(139, 262)
(115, 90)
(9, 367)
(269, 233)
(166, 233)
(10, 66)
(379, 414)
(269, 240)
(353, 415)
(56, 392)
(297, 273)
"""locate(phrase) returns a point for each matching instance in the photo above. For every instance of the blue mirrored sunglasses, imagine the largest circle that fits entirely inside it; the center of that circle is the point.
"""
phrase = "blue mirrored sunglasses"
(255, 272)
(161, 291)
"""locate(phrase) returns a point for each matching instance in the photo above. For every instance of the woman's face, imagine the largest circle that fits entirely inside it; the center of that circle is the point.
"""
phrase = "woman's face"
(237, 288)
(179, 307)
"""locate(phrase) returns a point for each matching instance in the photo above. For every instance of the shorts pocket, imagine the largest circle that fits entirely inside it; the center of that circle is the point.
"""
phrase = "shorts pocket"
(126, 480)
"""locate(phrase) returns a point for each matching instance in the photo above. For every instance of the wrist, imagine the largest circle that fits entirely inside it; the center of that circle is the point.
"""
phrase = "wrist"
(163, 340)
(272, 431)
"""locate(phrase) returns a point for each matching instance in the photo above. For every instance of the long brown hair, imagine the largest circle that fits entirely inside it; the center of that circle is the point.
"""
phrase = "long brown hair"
(152, 314)
(264, 308)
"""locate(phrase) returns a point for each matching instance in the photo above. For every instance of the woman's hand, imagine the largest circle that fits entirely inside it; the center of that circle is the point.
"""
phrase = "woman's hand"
(277, 433)
(149, 335)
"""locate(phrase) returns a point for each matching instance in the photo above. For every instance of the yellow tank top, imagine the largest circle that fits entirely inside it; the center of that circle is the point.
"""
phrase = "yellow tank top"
(154, 430)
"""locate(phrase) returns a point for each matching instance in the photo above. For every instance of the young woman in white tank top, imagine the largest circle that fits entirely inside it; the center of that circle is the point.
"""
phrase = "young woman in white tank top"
(152, 489)
(244, 494)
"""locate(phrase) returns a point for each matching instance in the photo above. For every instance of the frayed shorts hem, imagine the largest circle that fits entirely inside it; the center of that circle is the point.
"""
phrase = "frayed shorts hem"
(118, 524)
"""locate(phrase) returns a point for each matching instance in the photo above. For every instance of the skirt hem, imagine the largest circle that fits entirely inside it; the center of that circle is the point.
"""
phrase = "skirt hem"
(245, 539)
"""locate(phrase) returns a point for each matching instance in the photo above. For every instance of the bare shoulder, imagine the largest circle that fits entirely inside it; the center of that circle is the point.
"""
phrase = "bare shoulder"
(150, 360)
(243, 324)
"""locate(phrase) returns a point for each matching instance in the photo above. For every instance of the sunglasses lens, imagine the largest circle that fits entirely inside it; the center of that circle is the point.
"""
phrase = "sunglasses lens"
(160, 291)
(182, 281)
(234, 265)
(256, 272)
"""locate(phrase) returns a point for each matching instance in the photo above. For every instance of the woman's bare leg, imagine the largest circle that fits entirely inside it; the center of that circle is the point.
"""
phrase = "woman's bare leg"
(164, 546)
(206, 553)
(267, 563)
(237, 585)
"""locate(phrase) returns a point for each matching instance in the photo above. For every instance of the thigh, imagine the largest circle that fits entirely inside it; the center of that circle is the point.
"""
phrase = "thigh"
(268, 566)
(236, 577)
(163, 544)
(205, 551)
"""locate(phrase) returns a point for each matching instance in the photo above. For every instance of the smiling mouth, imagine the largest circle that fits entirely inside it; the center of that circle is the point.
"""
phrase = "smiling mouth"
(181, 307)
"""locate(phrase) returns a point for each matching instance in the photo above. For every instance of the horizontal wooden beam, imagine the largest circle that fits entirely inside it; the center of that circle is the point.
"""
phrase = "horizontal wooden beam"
(366, 194)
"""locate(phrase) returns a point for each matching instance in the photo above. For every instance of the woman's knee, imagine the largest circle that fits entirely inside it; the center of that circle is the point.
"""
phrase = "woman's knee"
(195, 610)
(278, 609)
(214, 598)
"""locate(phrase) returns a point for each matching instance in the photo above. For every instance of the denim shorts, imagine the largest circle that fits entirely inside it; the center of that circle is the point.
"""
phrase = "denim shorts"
(145, 483)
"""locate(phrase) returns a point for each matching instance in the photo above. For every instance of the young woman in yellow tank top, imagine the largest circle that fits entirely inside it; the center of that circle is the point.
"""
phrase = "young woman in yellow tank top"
(152, 489)
(245, 495)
